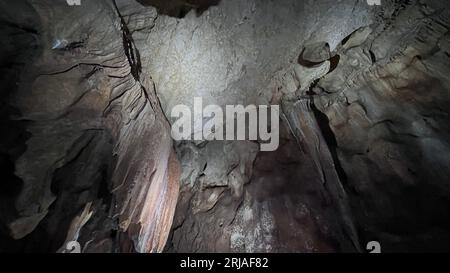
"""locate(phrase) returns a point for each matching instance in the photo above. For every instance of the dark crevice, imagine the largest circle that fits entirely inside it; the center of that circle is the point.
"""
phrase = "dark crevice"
(334, 62)
(345, 40)
(131, 51)
(328, 134)
(78, 65)
(179, 8)
(372, 57)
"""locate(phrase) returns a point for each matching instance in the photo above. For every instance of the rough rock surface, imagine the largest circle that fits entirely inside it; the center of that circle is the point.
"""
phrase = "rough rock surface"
(96, 135)
(386, 105)
(368, 149)
(364, 134)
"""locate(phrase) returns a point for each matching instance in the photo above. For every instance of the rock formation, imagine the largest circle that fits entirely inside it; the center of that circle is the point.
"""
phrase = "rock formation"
(87, 156)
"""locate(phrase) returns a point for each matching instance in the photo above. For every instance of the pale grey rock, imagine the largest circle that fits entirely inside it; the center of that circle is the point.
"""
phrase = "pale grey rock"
(307, 75)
